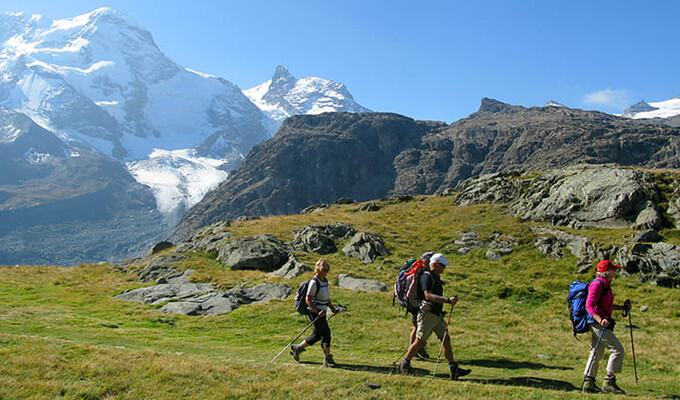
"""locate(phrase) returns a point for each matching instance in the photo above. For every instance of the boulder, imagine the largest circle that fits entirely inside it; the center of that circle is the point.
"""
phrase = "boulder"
(161, 267)
(184, 297)
(580, 196)
(260, 252)
(366, 247)
(655, 262)
(291, 269)
(177, 287)
(161, 246)
(312, 240)
(551, 242)
(346, 281)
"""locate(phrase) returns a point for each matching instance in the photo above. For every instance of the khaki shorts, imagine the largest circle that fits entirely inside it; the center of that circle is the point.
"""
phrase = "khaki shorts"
(429, 322)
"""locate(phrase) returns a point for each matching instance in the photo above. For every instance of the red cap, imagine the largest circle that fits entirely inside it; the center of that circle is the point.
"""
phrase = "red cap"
(606, 265)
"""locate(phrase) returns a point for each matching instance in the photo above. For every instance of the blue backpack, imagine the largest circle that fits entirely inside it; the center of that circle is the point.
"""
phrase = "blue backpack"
(580, 319)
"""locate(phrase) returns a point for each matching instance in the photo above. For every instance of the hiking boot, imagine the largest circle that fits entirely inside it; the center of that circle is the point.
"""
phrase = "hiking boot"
(405, 367)
(456, 371)
(589, 386)
(295, 351)
(328, 361)
(610, 386)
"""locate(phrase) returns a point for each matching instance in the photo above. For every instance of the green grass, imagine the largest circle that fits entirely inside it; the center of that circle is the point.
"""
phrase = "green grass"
(64, 335)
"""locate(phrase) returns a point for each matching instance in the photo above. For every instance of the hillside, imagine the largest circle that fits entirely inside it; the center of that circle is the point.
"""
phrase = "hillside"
(318, 159)
(64, 334)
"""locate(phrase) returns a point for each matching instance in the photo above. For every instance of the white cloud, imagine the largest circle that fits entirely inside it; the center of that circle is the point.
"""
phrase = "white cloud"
(608, 98)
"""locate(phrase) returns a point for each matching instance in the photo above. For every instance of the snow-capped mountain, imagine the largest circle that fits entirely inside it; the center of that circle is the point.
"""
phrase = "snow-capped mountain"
(284, 95)
(103, 93)
(100, 79)
(661, 109)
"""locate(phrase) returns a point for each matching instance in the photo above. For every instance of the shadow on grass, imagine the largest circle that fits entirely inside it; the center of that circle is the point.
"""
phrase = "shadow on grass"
(442, 373)
(507, 364)
(529, 381)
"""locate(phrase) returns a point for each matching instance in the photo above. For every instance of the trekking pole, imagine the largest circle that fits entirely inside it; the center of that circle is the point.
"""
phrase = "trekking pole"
(441, 348)
(296, 338)
(400, 357)
(632, 344)
(590, 363)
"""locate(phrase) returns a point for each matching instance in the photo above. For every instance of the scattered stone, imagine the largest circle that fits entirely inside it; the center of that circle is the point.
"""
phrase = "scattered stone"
(644, 308)
(346, 281)
(368, 207)
(184, 297)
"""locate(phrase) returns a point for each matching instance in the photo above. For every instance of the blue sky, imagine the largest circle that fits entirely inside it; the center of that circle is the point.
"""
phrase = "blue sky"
(424, 59)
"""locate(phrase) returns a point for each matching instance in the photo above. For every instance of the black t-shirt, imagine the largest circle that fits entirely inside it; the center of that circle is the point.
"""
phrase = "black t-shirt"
(433, 284)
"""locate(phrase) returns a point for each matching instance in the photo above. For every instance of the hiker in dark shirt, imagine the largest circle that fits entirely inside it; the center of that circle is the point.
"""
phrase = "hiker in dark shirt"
(318, 302)
(431, 317)
(600, 305)
(422, 353)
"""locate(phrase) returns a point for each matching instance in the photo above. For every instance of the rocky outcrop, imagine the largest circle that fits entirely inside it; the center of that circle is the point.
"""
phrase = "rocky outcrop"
(318, 159)
(291, 269)
(366, 247)
(655, 262)
(347, 281)
(583, 196)
(261, 252)
(183, 297)
(552, 241)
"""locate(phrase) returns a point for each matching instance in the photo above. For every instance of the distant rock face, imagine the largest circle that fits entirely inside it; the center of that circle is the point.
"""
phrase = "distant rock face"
(580, 196)
(636, 108)
(311, 160)
(318, 159)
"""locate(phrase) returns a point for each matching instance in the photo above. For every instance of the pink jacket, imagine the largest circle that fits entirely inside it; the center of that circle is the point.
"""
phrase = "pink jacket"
(600, 298)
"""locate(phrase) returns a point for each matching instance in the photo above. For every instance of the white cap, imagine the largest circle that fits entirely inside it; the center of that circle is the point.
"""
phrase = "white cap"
(439, 258)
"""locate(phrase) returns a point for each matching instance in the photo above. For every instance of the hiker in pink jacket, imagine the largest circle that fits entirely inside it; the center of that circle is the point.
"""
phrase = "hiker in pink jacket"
(600, 305)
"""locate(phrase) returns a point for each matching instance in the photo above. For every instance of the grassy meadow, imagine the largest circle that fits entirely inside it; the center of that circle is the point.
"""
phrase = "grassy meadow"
(64, 335)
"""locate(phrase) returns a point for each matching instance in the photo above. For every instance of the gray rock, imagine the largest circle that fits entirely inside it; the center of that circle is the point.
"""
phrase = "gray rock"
(649, 236)
(346, 281)
(291, 269)
(551, 242)
(160, 267)
(183, 297)
(177, 287)
(644, 308)
(368, 207)
(656, 262)
(500, 246)
(260, 252)
(161, 246)
(312, 240)
(365, 246)
(581, 196)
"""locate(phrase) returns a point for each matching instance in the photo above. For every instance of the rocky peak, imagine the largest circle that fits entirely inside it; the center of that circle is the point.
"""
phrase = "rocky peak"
(494, 106)
(639, 107)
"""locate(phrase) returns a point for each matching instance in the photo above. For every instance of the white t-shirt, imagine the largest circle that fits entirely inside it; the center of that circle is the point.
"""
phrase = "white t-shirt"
(322, 297)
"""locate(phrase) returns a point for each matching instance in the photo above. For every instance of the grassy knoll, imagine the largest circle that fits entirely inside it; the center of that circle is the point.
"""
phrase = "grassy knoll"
(64, 335)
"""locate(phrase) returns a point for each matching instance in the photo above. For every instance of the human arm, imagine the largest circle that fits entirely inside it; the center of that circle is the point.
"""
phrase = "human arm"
(434, 298)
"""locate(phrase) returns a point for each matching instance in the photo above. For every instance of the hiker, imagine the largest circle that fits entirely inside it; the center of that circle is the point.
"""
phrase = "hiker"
(430, 317)
(600, 305)
(318, 302)
(422, 353)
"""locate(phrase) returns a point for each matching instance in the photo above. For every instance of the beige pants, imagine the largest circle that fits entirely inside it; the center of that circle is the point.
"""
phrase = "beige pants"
(610, 342)
(429, 322)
